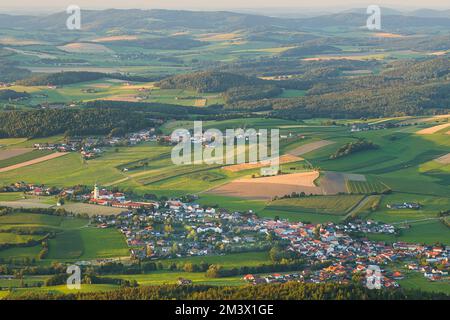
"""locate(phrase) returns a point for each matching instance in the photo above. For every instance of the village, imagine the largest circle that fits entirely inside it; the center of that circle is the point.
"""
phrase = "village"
(177, 229)
(91, 147)
(334, 252)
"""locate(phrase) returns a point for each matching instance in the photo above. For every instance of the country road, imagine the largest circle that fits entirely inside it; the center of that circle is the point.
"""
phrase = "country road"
(358, 207)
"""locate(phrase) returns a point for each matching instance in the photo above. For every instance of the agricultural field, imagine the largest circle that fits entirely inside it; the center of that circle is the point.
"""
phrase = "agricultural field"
(430, 207)
(333, 205)
(11, 141)
(73, 239)
(226, 261)
(427, 232)
(406, 172)
(270, 187)
(27, 280)
(415, 281)
(366, 187)
(363, 120)
(108, 89)
(6, 154)
(34, 160)
(368, 172)
(62, 289)
(164, 277)
(13, 157)
(11, 196)
(87, 244)
(90, 209)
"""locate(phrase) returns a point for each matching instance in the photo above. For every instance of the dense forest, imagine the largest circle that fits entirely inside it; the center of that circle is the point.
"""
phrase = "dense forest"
(164, 43)
(43, 123)
(10, 73)
(12, 95)
(61, 78)
(71, 77)
(160, 110)
(245, 93)
(209, 81)
(353, 147)
(286, 291)
(404, 88)
(312, 49)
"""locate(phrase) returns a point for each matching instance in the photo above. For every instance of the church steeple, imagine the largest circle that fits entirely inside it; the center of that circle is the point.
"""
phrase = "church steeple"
(96, 192)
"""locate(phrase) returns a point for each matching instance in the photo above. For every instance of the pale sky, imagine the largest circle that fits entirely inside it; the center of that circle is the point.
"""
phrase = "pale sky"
(60, 5)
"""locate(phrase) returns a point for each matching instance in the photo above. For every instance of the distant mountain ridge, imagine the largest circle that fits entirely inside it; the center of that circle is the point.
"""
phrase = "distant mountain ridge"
(132, 19)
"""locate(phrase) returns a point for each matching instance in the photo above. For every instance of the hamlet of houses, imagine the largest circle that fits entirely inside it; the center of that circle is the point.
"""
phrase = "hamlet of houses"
(90, 147)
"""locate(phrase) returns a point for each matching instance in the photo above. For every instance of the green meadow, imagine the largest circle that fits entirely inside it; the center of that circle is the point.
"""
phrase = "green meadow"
(333, 205)
(164, 277)
(428, 232)
(74, 239)
(226, 261)
(430, 207)
(10, 196)
(415, 280)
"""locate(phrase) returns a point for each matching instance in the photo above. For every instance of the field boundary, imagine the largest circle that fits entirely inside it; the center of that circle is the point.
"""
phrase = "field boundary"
(34, 161)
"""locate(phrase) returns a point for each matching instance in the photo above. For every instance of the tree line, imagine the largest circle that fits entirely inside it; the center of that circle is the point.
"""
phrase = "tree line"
(42, 123)
(283, 291)
(71, 77)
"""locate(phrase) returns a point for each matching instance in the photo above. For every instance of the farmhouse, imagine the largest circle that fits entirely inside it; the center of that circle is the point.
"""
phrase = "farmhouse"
(405, 205)
(266, 172)
(184, 282)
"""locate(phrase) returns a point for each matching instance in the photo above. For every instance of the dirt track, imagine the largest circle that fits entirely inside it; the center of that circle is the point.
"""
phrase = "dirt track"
(34, 161)
(444, 159)
(434, 129)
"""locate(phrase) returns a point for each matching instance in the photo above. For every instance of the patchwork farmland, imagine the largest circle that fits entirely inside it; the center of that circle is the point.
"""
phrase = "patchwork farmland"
(363, 120)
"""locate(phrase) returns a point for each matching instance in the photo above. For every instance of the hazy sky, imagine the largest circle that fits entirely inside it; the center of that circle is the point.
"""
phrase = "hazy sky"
(23, 5)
